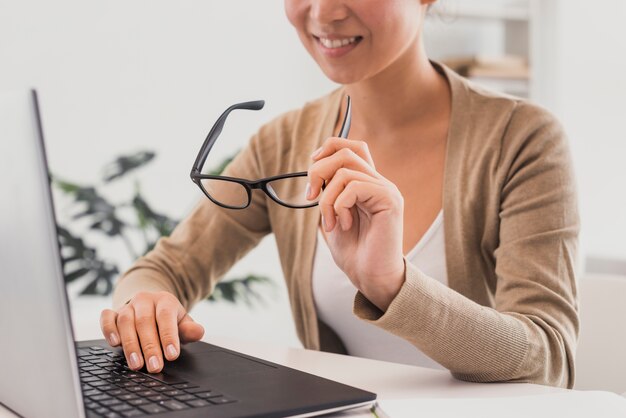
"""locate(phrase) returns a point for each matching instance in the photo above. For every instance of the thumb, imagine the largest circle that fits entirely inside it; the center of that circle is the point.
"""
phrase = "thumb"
(189, 330)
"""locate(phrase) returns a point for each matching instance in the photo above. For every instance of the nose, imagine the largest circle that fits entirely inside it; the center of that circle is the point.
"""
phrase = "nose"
(328, 11)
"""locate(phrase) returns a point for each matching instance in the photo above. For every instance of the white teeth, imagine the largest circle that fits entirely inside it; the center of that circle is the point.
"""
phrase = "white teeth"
(337, 43)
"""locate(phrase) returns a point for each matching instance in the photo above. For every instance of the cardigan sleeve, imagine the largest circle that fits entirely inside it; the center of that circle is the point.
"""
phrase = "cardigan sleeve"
(204, 246)
(530, 332)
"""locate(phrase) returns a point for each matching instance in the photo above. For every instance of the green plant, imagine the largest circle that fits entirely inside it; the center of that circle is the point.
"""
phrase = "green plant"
(105, 218)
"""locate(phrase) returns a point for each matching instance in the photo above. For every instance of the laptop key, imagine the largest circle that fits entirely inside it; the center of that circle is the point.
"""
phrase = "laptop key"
(137, 402)
(80, 352)
(132, 413)
(187, 397)
(102, 397)
(197, 390)
(198, 403)
(121, 407)
(101, 410)
(127, 397)
(117, 392)
(207, 395)
(91, 405)
(111, 402)
(166, 378)
(92, 392)
(173, 392)
(221, 400)
(185, 386)
(173, 405)
(152, 408)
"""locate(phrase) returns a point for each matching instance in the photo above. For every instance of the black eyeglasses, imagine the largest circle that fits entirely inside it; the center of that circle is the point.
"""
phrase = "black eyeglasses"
(236, 193)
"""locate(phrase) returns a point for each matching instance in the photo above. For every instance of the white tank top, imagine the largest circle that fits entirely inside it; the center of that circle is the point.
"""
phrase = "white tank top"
(334, 293)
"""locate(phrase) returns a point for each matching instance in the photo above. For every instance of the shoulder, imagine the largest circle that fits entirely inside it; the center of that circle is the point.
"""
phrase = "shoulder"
(497, 128)
(515, 119)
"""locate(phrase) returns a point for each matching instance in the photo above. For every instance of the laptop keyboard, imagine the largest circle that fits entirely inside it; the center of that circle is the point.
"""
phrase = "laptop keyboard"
(112, 390)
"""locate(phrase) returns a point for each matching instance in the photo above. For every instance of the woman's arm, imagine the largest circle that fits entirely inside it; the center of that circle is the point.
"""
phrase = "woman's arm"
(149, 317)
(204, 246)
(530, 334)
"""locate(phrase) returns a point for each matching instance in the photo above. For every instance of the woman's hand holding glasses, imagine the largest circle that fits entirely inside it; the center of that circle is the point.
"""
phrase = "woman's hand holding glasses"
(362, 215)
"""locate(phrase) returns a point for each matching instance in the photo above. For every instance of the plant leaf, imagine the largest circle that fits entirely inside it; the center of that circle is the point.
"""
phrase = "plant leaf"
(240, 288)
(126, 163)
(163, 224)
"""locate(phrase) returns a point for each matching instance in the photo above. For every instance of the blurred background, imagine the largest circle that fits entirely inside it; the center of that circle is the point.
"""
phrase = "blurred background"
(145, 80)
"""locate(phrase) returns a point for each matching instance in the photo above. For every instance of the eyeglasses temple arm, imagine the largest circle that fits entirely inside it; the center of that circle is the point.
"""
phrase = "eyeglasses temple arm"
(216, 130)
(347, 119)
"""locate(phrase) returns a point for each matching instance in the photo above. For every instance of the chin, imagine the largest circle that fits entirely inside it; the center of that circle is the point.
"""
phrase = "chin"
(341, 76)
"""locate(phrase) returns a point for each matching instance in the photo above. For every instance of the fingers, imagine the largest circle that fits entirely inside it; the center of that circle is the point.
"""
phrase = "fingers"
(323, 170)
(128, 337)
(328, 207)
(146, 326)
(150, 329)
(334, 144)
(373, 197)
(189, 330)
(168, 312)
(108, 326)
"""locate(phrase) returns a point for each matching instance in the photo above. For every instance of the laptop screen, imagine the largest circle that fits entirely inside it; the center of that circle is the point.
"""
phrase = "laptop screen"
(36, 340)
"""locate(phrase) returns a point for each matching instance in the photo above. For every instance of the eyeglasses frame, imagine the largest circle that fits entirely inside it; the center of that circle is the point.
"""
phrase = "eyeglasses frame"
(262, 184)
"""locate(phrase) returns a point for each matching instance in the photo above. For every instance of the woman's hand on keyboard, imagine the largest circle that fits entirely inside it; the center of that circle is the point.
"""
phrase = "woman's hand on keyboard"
(149, 326)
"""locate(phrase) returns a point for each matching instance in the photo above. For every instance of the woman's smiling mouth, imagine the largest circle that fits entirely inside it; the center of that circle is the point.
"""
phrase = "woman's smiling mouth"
(337, 46)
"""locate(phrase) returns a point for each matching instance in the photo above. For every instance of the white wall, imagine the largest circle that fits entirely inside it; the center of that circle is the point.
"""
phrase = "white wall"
(591, 88)
(118, 76)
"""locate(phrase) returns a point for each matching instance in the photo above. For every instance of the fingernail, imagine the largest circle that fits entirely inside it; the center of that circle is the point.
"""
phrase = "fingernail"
(324, 223)
(113, 340)
(171, 351)
(134, 361)
(153, 363)
(316, 152)
(307, 191)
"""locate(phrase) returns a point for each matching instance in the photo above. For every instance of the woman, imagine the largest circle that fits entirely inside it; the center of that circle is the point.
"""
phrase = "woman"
(450, 213)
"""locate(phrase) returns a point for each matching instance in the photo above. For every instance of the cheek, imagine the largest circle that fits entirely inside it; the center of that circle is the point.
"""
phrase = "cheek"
(294, 12)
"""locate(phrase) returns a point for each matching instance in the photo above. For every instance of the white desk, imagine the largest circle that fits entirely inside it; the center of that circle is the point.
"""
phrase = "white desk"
(388, 380)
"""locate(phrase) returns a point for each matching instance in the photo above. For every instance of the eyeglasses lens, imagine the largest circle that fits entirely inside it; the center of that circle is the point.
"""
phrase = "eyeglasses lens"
(228, 193)
(291, 191)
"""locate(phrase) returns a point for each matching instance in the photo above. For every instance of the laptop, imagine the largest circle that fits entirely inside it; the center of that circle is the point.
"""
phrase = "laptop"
(45, 373)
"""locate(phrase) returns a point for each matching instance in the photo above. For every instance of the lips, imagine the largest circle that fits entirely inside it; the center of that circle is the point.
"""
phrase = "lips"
(337, 43)
(336, 46)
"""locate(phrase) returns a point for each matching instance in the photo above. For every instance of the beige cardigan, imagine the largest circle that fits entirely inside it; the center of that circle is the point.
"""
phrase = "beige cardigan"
(511, 228)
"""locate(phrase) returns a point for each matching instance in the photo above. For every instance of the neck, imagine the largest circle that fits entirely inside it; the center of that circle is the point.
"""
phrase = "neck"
(408, 92)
